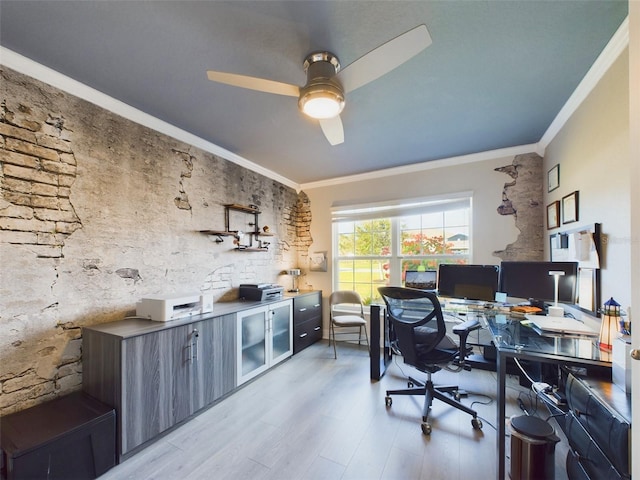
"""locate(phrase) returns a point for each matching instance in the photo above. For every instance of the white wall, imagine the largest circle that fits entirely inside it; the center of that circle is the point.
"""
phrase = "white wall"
(592, 150)
(490, 230)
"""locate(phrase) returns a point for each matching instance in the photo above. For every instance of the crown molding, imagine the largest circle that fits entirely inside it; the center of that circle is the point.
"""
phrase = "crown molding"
(56, 79)
(420, 167)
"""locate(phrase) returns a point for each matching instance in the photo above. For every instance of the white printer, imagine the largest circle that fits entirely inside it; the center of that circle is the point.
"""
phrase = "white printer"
(164, 308)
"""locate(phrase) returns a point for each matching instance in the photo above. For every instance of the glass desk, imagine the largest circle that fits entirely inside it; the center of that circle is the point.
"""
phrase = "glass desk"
(514, 339)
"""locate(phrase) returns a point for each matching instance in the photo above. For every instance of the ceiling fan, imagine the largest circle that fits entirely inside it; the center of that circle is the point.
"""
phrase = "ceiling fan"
(323, 96)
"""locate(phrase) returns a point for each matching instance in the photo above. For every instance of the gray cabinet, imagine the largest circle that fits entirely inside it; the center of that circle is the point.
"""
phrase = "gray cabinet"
(215, 359)
(265, 338)
(155, 385)
(157, 375)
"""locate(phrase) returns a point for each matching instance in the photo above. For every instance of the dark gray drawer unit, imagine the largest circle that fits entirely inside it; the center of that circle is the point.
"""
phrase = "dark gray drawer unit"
(307, 319)
(598, 434)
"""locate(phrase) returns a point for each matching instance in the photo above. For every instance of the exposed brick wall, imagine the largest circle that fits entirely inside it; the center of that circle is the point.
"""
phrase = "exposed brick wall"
(522, 197)
(38, 170)
(97, 212)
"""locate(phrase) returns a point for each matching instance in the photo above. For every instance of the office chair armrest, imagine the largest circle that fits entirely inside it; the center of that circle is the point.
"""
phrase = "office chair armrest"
(467, 327)
(463, 330)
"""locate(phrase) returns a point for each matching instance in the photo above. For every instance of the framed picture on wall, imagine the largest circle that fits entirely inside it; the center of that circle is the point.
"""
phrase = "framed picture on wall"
(318, 262)
(553, 178)
(553, 215)
(570, 208)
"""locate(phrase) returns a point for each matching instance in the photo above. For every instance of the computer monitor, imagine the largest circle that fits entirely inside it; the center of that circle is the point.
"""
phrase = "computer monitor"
(531, 280)
(422, 280)
(471, 282)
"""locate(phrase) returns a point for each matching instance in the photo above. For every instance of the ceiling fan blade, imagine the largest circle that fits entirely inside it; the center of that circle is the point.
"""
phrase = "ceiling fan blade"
(332, 129)
(385, 58)
(253, 83)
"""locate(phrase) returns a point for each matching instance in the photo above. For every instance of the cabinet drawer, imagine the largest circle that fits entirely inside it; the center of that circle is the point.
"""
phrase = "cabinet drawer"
(586, 452)
(306, 307)
(306, 333)
(608, 430)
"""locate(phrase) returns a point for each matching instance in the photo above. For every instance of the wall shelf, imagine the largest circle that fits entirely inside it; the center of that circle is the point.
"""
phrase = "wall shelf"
(238, 235)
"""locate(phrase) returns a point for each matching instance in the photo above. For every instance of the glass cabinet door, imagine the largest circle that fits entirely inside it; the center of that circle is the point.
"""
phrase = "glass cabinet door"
(265, 337)
(252, 337)
(281, 334)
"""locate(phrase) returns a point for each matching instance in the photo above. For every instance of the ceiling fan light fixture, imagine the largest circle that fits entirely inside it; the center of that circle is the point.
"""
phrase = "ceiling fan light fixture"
(321, 104)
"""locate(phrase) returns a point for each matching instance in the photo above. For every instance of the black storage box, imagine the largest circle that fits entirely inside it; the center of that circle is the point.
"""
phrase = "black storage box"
(71, 437)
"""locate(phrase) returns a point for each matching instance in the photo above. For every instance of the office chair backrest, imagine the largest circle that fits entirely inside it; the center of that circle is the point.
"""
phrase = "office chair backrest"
(345, 297)
(407, 309)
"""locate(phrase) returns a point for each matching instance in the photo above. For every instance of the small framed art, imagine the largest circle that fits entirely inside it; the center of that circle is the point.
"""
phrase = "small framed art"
(553, 215)
(570, 208)
(553, 178)
(318, 262)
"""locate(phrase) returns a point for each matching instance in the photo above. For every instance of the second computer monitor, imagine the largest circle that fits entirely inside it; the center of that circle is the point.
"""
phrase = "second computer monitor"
(531, 280)
(472, 282)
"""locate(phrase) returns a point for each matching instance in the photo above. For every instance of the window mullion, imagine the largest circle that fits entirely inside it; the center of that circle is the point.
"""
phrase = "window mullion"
(395, 273)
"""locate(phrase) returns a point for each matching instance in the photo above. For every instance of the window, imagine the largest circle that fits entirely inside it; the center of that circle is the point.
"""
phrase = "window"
(374, 245)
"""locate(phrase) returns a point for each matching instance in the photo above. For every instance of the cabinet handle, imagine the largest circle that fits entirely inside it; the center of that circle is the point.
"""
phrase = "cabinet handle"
(316, 329)
(316, 305)
(302, 335)
(303, 309)
(194, 341)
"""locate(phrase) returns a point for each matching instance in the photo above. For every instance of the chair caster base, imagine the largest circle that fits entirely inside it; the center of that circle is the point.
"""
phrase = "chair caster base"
(426, 428)
(388, 401)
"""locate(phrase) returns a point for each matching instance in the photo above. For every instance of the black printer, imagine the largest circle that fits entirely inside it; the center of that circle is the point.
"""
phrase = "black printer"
(260, 292)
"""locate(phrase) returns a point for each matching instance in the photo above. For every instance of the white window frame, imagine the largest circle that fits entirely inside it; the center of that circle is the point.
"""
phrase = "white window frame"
(394, 210)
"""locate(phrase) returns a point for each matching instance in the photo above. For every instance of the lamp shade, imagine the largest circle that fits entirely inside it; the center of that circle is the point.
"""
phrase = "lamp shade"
(609, 325)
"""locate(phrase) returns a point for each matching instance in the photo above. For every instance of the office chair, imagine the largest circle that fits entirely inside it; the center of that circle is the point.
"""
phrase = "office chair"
(418, 332)
(345, 320)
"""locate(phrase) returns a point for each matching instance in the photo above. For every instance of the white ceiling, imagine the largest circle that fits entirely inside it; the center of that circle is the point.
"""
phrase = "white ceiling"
(495, 76)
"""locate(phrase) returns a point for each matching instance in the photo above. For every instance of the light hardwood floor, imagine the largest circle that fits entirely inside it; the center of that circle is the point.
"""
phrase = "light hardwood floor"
(314, 417)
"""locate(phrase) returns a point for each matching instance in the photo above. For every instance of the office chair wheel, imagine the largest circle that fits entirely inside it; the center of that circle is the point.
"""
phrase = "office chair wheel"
(476, 423)
(426, 428)
(388, 401)
(410, 384)
(456, 396)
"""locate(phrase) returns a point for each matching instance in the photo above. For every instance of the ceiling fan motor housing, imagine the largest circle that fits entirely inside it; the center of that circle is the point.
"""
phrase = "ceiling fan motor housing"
(321, 86)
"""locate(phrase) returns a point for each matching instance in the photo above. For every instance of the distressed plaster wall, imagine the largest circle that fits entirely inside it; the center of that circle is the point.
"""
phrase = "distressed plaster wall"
(522, 197)
(97, 212)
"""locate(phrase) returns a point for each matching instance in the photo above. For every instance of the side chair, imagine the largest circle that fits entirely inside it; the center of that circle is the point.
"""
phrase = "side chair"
(340, 319)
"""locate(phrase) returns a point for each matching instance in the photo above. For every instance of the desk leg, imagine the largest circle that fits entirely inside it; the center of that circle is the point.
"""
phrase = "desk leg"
(376, 371)
(502, 376)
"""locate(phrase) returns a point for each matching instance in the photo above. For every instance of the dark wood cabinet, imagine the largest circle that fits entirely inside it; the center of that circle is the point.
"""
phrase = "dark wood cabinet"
(307, 319)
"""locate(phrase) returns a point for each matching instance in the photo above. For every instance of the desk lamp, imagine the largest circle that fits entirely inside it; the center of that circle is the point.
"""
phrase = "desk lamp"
(609, 325)
(295, 273)
(556, 311)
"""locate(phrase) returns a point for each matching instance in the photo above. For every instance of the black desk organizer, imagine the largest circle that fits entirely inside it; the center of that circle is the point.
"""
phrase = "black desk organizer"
(71, 437)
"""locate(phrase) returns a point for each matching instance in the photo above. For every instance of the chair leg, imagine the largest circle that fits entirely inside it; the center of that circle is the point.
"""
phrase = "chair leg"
(366, 336)
(333, 333)
(428, 401)
(407, 391)
(454, 403)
